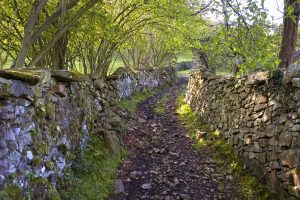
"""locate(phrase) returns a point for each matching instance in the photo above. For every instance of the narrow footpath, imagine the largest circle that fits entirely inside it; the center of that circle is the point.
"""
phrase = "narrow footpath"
(161, 162)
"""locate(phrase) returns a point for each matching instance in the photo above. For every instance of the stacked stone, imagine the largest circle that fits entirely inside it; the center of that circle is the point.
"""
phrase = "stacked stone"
(259, 117)
(46, 118)
(129, 82)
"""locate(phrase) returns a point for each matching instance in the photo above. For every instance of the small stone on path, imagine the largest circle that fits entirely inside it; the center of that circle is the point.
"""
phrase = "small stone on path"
(146, 186)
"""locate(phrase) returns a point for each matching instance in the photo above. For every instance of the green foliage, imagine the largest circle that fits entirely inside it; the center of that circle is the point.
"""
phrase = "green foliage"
(92, 175)
(145, 34)
(245, 38)
(185, 55)
(90, 44)
(39, 187)
(223, 154)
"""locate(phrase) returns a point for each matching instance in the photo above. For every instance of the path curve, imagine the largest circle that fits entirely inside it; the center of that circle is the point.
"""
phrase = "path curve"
(161, 162)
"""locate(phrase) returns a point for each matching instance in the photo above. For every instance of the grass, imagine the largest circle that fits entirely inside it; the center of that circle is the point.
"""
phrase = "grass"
(92, 175)
(223, 73)
(184, 73)
(131, 103)
(185, 56)
(115, 64)
(223, 154)
(161, 104)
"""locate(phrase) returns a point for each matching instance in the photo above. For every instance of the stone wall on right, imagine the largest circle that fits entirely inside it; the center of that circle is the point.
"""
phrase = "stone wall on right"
(259, 116)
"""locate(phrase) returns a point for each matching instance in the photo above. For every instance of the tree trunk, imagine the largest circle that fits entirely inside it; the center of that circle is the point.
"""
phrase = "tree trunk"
(31, 21)
(203, 58)
(289, 35)
(60, 51)
(61, 32)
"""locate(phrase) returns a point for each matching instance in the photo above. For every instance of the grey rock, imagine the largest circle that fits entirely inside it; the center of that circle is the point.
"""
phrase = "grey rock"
(141, 120)
(99, 84)
(133, 174)
(290, 158)
(267, 114)
(112, 142)
(296, 128)
(19, 89)
(115, 121)
(3, 143)
(9, 136)
(185, 197)
(176, 181)
(285, 139)
(19, 110)
(146, 186)
(296, 82)
(274, 165)
(119, 190)
(61, 163)
(12, 169)
(3, 152)
(29, 155)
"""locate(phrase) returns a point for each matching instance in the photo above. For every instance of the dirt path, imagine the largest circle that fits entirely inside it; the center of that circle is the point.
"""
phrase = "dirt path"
(161, 162)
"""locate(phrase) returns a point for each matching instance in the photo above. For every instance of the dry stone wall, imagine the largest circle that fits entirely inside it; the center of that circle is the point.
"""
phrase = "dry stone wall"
(128, 82)
(259, 116)
(46, 118)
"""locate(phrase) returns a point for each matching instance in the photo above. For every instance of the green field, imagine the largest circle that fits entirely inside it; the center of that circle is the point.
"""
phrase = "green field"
(117, 62)
(184, 56)
(185, 73)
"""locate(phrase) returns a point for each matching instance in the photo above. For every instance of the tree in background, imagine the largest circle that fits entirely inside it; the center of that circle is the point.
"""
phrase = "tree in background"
(242, 33)
(158, 45)
(287, 52)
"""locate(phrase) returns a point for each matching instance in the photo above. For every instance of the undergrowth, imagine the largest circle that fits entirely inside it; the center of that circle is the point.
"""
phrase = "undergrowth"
(92, 174)
(222, 153)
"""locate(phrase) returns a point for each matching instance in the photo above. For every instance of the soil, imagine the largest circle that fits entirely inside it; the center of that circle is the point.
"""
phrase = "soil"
(161, 162)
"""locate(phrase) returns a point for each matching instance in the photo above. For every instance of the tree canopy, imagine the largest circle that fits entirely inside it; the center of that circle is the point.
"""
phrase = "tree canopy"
(87, 35)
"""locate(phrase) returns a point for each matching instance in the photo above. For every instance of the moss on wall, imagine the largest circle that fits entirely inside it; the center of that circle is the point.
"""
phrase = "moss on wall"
(11, 192)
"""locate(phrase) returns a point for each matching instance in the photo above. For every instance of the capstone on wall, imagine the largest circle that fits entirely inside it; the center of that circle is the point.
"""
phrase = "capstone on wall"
(259, 116)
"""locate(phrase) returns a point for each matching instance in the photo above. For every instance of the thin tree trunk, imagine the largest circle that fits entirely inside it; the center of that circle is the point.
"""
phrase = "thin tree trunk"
(53, 18)
(289, 35)
(31, 21)
(61, 32)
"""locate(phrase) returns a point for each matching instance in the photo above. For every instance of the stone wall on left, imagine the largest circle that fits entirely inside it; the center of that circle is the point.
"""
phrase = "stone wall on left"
(46, 118)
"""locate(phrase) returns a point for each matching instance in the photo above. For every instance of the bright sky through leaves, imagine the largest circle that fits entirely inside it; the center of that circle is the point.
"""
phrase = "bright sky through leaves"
(275, 8)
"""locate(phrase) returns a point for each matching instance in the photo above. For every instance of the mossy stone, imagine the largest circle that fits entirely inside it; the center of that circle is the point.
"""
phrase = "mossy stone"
(41, 148)
(63, 149)
(4, 90)
(11, 192)
(53, 194)
(28, 76)
(48, 165)
(36, 161)
(50, 110)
